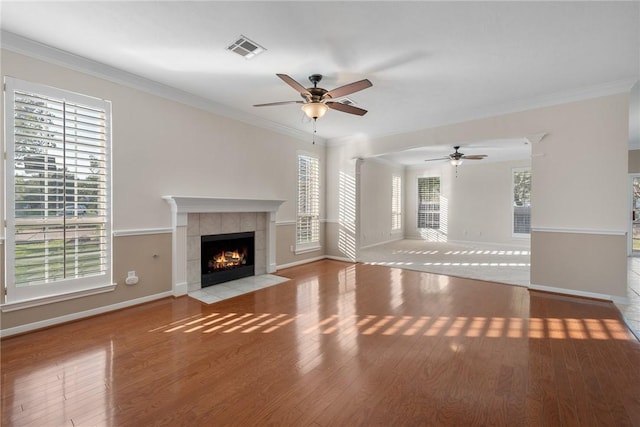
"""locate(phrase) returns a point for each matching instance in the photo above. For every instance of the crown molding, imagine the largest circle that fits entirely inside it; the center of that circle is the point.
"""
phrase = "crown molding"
(15, 43)
(37, 50)
(381, 161)
(564, 97)
(542, 101)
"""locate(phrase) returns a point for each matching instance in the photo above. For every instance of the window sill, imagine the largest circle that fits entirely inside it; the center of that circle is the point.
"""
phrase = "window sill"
(307, 249)
(35, 302)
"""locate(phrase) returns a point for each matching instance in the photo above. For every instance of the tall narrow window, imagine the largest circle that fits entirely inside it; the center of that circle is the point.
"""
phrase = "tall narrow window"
(429, 202)
(396, 202)
(522, 201)
(308, 218)
(58, 192)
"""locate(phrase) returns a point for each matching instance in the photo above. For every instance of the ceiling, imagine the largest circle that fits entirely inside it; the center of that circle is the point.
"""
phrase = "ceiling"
(500, 150)
(431, 63)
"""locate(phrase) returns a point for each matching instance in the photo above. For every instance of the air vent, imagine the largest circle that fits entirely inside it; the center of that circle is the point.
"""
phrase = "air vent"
(346, 101)
(245, 47)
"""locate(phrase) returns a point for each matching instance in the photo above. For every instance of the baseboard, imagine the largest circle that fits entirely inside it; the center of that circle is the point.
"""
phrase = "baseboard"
(296, 263)
(339, 258)
(181, 289)
(81, 315)
(521, 243)
(314, 259)
(620, 300)
(578, 231)
(382, 243)
(576, 293)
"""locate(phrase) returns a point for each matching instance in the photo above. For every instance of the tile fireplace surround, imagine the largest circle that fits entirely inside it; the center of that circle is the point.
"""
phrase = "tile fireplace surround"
(192, 217)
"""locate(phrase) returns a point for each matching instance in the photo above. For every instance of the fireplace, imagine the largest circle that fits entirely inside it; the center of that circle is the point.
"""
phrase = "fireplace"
(226, 257)
(192, 217)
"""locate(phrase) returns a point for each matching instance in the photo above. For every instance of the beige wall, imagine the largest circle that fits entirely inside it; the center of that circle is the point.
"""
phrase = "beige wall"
(634, 161)
(332, 230)
(584, 263)
(285, 256)
(148, 255)
(161, 147)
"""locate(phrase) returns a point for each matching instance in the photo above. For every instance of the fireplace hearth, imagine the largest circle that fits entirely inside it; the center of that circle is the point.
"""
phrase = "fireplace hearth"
(226, 257)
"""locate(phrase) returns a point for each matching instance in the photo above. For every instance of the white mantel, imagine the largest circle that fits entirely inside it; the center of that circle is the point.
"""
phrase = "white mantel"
(182, 206)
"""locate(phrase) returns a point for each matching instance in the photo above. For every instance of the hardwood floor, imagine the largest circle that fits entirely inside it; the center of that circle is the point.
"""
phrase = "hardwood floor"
(338, 345)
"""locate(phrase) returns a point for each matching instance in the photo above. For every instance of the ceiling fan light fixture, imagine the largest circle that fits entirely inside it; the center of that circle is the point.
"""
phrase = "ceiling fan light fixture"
(456, 162)
(314, 110)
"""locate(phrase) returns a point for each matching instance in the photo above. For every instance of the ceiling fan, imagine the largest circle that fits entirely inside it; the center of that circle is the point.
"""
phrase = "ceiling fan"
(317, 101)
(457, 157)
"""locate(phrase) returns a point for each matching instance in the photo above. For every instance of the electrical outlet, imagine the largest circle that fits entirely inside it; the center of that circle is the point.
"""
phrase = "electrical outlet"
(131, 279)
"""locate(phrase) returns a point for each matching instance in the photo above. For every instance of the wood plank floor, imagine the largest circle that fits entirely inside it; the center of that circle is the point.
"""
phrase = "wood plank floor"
(338, 345)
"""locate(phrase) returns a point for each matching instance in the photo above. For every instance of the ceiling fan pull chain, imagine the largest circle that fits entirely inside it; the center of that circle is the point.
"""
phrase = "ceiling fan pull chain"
(314, 132)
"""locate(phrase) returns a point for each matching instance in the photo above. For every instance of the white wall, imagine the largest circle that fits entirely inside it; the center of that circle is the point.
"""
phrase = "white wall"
(163, 147)
(583, 158)
(579, 185)
(634, 117)
(375, 201)
(476, 203)
(342, 195)
(580, 168)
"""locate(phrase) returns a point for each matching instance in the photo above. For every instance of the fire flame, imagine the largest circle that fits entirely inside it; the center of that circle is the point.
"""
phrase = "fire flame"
(228, 259)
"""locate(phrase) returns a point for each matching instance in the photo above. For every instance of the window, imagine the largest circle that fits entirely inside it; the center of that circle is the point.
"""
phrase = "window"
(396, 203)
(308, 218)
(429, 202)
(521, 201)
(58, 201)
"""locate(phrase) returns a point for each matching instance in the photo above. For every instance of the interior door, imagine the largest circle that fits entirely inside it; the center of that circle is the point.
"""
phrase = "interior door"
(635, 215)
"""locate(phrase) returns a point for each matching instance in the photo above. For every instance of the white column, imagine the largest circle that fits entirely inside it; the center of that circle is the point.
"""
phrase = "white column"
(179, 286)
(178, 249)
(271, 242)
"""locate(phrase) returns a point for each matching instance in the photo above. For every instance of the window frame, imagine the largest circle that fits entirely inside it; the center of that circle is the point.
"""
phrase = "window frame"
(43, 292)
(396, 203)
(513, 203)
(312, 244)
(419, 211)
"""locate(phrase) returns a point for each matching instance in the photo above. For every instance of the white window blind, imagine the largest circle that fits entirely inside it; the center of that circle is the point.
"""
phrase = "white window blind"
(521, 201)
(396, 202)
(308, 218)
(429, 202)
(58, 201)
